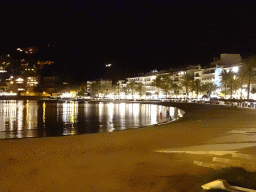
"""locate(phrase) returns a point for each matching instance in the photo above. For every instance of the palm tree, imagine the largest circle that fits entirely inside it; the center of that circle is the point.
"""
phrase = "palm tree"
(166, 84)
(117, 89)
(209, 88)
(248, 67)
(241, 78)
(176, 88)
(141, 89)
(225, 79)
(132, 85)
(95, 87)
(185, 82)
(236, 84)
(126, 90)
(105, 89)
(157, 83)
(196, 86)
(231, 81)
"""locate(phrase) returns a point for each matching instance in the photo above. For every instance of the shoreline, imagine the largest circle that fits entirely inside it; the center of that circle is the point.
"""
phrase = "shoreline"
(117, 161)
(158, 122)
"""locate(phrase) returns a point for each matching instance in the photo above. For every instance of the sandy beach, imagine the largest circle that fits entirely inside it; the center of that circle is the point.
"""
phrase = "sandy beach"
(119, 161)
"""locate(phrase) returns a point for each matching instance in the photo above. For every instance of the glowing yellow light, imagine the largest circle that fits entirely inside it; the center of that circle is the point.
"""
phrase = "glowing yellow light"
(72, 114)
(19, 80)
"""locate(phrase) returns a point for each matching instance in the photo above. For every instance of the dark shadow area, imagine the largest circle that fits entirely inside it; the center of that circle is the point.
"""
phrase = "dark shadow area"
(235, 176)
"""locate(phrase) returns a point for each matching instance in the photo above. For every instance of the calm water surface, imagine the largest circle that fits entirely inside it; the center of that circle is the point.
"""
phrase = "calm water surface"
(29, 118)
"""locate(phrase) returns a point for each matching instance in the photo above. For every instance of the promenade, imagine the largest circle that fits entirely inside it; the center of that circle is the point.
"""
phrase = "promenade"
(168, 157)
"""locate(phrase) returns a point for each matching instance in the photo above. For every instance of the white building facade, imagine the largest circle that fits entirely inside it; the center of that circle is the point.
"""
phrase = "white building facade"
(206, 75)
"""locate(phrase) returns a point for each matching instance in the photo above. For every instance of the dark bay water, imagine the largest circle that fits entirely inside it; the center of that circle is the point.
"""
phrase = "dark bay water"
(29, 118)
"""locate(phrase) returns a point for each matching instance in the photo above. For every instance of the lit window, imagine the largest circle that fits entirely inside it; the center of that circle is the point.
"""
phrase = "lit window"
(235, 69)
(19, 80)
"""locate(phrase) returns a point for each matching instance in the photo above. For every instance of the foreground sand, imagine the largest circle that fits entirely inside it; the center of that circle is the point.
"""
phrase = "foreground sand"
(118, 161)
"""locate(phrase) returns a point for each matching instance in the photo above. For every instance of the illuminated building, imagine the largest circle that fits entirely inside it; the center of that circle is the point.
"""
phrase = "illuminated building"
(211, 74)
(208, 74)
(5, 60)
(147, 80)
(50, 84)
(28, 50)
(15, 84)
(227, 62)
(43, 63)
(2, 69)
(31, 82)
(3, 86)
(18, 84)
(101, 82)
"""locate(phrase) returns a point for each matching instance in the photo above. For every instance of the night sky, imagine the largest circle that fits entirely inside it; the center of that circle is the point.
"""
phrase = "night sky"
(134, 35)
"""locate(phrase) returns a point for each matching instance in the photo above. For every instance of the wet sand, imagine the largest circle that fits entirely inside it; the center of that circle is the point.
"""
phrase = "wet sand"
(118, 161)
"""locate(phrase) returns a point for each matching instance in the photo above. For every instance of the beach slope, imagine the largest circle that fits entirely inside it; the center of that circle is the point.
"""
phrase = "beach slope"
(118, 161)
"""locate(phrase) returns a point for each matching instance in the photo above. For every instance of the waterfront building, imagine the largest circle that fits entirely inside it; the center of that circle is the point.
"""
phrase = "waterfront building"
(105, 84)
(211, 74)
(15, 84)
(21, 84)
(50, 83)
(31, 82)
(207, 74)
(147, 79)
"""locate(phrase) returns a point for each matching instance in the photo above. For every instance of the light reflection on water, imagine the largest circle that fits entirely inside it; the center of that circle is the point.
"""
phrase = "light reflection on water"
(28, 118)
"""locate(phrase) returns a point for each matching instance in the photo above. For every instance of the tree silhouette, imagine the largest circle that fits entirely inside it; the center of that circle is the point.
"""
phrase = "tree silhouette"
(176, 88)
(166, 84)
(225, 80)
(132, 85)
(208, 88)
(186, 81)
(157, 83)
(196, 86)
(248, 68)
(141, 89)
